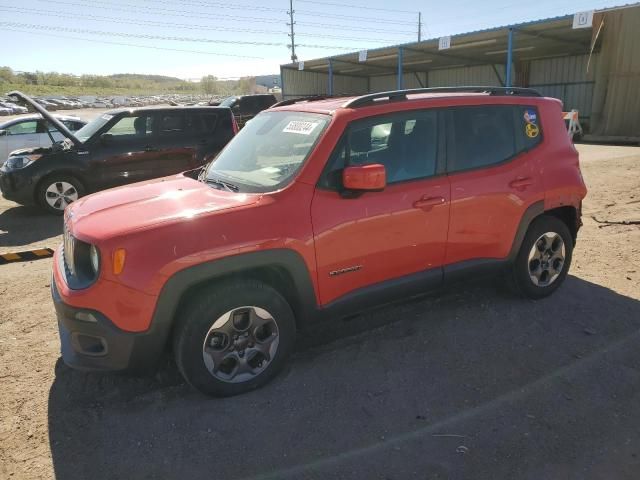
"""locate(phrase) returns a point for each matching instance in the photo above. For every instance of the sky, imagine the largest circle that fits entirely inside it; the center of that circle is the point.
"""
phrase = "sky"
(192, 38)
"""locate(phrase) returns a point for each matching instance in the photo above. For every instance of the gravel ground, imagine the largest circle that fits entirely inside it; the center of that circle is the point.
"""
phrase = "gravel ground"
(469, 383)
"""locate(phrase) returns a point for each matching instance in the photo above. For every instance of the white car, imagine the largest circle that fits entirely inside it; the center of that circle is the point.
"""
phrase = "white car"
(31, 131)
(13, 107)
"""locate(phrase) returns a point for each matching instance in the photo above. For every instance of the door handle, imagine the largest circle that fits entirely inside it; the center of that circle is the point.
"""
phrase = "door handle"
(521, 183)
(427, 203)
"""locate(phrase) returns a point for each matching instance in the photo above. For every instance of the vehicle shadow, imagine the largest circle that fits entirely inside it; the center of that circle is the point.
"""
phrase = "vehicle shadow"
(472, 383)
(21, 226)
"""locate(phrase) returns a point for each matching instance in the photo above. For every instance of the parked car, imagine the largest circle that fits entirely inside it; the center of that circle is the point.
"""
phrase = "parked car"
(32, 131)
(46, 104)
(15, 109)
(4, 111)
(119, 147)
(245, 107)
(317, 209)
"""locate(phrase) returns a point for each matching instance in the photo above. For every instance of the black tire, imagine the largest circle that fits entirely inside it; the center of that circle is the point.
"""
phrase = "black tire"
(209, 304)
(57, 179)
(518, 276)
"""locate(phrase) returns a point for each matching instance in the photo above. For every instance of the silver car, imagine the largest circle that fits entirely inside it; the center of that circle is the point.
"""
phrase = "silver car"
(30, 131)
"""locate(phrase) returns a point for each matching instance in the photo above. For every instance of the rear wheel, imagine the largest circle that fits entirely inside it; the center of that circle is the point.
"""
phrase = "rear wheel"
(234, 337)
(57, 191)
(544, 258)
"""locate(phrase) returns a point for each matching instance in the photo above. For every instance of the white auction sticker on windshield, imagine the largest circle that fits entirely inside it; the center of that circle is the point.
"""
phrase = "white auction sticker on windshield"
(301, 127)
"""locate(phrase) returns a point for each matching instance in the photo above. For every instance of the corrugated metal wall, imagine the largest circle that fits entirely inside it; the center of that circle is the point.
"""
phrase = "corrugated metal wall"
(302, 83)
(384, 83)
(616, 102)
(463, 76)
(566, 78)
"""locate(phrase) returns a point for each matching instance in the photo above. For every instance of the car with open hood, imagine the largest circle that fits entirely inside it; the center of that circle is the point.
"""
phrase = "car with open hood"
(118, 147)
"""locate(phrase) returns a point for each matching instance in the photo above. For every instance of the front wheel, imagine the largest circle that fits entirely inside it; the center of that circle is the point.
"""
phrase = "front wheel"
(544, 258)
(234, 337)
(57, 191)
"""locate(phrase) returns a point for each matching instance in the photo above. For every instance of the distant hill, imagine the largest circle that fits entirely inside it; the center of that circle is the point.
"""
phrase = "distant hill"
(147, 78)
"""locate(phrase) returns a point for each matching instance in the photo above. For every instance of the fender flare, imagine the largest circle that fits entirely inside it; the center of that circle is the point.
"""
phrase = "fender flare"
(533, 211)
(179, 284)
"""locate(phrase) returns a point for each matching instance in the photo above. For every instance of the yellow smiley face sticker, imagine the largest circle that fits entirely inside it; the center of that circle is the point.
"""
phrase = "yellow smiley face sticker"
(531, 130)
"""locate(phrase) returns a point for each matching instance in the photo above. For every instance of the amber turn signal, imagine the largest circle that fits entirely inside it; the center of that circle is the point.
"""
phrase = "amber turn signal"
(119, 256)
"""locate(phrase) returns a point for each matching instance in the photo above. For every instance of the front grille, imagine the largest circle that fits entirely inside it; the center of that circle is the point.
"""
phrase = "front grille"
(68, 251)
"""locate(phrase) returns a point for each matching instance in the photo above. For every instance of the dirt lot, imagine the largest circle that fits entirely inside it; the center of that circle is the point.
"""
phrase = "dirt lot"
(472, 383)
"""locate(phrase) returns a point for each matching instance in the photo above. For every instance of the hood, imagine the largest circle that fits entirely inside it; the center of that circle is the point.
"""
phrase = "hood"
(30, 151)
(20, 97)
(142, 205)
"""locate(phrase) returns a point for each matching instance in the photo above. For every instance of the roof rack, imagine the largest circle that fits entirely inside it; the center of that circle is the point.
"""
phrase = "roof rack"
(292, 101)
(397, 95)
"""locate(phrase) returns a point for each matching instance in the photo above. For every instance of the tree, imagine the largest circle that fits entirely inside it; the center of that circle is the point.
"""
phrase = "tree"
(209, 85)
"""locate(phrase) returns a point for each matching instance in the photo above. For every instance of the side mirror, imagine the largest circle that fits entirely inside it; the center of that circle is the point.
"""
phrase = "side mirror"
(3, 133)
(365, 177)
(106, 139)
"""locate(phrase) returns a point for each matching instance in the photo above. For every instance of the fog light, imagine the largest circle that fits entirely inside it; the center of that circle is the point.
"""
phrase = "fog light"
(86, 317)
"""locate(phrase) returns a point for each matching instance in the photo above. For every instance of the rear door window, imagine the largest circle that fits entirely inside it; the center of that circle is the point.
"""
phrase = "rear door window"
(171, 124)
(482, 136)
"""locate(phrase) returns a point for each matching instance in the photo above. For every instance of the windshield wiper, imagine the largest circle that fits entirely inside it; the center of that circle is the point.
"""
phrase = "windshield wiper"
(230, 187)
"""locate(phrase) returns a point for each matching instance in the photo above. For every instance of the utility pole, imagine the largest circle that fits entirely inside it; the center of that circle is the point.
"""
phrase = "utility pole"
(419, 26)
(294, 57)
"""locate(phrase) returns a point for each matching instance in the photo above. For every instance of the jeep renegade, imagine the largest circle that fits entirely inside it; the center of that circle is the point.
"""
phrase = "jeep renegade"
(316, 209)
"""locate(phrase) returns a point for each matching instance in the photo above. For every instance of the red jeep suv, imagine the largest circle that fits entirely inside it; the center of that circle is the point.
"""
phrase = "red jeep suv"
(317, 208)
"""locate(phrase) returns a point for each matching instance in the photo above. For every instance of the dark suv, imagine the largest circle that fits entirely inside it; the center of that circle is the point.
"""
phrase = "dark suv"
(246, 107)
(119, 147)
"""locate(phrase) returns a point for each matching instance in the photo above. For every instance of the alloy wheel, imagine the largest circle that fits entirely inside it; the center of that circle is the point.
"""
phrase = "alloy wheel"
(60, 194)
(546, 259)
(240, 344)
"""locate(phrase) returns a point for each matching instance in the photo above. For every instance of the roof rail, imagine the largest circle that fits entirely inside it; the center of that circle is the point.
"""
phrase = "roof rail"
(397, 95)
(292, 101)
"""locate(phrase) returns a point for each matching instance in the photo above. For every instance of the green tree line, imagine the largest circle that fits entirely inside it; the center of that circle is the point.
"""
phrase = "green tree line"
(41, 83)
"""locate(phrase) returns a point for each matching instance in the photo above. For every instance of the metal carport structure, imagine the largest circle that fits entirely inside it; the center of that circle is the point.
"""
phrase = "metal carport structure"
(548, 54)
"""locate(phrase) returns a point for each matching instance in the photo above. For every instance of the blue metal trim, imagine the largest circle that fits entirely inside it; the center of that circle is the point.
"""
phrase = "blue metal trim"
(507, 82)
(400, 55)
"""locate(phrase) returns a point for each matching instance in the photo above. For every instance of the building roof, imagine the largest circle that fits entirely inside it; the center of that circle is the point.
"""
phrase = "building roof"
(538, 39)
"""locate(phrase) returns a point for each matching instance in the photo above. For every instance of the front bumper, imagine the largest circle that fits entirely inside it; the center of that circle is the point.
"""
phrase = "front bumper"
(90, 341)
(17, 187)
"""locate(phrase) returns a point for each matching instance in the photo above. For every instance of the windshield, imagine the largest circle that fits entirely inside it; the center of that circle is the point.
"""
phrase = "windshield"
(228, 102)
(268, 151)
(86, 132)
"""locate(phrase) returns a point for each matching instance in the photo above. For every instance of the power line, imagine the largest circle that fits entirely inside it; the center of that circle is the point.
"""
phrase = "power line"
(237, 6)
(353, 17)
(161, 37)
(136, 35)
(152, 23)
(364, 7)
(129, 44)
(191, 14)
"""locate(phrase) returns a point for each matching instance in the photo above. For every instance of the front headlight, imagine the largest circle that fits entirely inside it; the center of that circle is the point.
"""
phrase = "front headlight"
(94, 257)
(16, 163)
